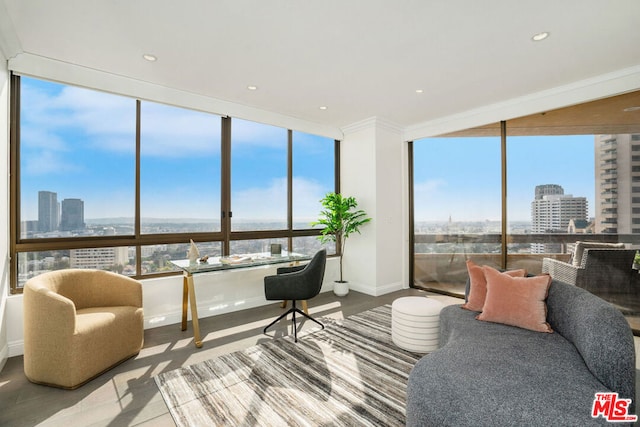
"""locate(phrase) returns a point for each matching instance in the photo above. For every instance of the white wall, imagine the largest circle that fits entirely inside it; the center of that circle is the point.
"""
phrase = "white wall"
(374, 169)
(357, 179)
(4, 209)
(392, 210)
(216, 293)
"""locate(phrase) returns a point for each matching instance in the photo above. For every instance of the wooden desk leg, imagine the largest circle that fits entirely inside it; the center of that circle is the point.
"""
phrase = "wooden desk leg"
(194, 311)
(283, 304)
(185, 301)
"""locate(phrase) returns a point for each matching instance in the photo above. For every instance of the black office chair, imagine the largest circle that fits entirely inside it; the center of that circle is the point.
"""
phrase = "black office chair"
(296, 283)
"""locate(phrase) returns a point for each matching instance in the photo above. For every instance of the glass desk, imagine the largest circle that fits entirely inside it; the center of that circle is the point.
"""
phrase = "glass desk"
(233, 262)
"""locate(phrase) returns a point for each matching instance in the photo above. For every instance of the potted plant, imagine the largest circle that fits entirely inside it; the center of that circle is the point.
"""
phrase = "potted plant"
(340, 219)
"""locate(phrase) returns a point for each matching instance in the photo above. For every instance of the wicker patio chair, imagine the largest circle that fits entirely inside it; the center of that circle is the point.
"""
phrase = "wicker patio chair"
(607, 273)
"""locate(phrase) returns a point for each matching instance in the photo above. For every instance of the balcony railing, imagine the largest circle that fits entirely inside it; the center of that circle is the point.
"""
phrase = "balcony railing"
(446, 262)
(444, 270)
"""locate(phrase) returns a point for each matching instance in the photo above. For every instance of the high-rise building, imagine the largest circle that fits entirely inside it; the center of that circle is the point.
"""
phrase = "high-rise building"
(72, 217)
(48, 209)
(548, 190)
(552, 211)
(617, 167)
(99, 258)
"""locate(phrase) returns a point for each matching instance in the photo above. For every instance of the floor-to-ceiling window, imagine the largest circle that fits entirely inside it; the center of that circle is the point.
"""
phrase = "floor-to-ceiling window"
(579, 188)
(313, 175)
(550, 181)
(105, 181)
(567, 175)
(77, 161)
(180, 182)
(457, 208)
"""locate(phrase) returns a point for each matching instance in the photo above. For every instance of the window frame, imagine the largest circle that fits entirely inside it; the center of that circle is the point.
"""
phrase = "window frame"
(18, 244)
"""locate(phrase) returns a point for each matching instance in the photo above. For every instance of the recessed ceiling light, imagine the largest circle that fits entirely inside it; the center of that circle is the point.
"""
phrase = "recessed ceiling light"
(419, 90)
(540, 36)
(149, 57)
(252, 87)
(630, 109)
(323, 108)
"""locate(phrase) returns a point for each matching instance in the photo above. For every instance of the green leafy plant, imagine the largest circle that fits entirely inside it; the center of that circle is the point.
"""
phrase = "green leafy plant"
(340, 219)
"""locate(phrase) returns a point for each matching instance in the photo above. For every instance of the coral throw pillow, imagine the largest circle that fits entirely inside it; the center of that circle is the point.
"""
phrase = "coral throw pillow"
(478, 284)
(516, 301)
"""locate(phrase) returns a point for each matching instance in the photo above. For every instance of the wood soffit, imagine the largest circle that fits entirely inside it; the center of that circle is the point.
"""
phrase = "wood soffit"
(604, 116)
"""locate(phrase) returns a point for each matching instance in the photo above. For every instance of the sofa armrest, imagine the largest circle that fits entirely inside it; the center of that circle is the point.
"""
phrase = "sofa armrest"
(599, 331)
(559, 270)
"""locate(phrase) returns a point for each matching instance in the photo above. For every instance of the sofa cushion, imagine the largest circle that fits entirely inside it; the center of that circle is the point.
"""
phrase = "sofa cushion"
(516, 301)
(478, 285)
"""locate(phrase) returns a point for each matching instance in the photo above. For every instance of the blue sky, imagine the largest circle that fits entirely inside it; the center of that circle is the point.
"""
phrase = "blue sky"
(81, 144)
(460, 177)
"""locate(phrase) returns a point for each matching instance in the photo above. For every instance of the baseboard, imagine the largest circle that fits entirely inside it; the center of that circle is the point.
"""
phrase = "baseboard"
(205, 309)
(378, 290)
(4, 355)
(391, 287)
(16, 348)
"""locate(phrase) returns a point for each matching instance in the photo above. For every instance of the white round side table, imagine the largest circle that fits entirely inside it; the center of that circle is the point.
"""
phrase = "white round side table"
(415, 323)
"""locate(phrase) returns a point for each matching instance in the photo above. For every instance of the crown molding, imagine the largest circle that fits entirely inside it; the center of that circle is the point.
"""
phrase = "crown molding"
(602, 86)
(373, 122)
(9, 42)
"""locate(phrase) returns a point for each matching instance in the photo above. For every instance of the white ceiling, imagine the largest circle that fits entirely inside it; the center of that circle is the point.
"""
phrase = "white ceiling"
(359, 58)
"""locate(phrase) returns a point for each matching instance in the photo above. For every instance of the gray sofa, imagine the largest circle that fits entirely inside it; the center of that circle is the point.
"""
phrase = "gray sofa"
(489, 374)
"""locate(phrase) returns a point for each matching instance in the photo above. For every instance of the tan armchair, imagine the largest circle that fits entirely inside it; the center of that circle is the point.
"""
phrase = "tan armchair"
(79, 324)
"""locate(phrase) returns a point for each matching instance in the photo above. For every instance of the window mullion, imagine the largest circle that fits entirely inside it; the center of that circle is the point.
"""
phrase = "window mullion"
(137, 220)
(225, 182)
(14, 181)
(290, 188)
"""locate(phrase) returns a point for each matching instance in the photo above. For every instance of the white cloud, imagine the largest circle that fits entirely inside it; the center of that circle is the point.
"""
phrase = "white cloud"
(427, 195)
(171, 131)
(306, 200)
(270, 201)
(41, 138)
(246, 133)
(46, 162)
(107, 122)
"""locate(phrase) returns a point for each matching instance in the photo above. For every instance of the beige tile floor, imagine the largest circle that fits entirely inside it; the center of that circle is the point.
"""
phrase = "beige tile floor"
(127, 395)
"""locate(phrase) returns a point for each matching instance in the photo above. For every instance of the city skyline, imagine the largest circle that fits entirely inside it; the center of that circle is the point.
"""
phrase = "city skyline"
(552, 211)
(469, 188)
(81, 143)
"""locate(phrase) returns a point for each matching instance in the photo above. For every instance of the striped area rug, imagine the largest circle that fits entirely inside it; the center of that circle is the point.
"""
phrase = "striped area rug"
(348, 374)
